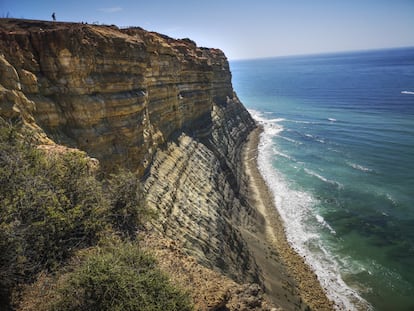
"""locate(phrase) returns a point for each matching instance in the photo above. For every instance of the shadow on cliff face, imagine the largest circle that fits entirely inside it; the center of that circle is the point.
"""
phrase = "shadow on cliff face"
(116, 94)
(197, 185)
(142, 101)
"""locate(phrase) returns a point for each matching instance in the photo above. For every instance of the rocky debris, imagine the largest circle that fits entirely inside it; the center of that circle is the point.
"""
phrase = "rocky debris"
(209, 290)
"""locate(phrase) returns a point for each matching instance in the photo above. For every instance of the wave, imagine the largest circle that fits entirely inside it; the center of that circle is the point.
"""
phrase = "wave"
(391, 199)
(323, 222)
(328, 181)
(270, 125)
(283, 155)
(315, 138)
(275, 120)
(359, 167)
(309, 122)
(301, 122)
(291, 140)
(274, 129)
(257, 115)
(407, 92)
(334, 150)
(296, 210)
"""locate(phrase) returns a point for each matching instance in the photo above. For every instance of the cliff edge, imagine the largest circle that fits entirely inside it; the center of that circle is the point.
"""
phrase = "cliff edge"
(161, 107)
(117, 94)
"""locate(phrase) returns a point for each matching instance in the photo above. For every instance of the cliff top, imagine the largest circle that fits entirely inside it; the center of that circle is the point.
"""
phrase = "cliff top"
(24, 26)
(89, 83)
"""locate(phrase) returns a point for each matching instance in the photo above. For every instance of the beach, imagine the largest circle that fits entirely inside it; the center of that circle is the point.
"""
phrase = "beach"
(288, 280)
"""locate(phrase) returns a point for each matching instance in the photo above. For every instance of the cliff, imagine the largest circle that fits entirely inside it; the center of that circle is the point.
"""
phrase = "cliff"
(142, 101)
(117, 94)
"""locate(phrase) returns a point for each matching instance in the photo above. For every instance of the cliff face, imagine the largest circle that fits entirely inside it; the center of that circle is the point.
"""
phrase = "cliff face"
(195, 183)
(117, 94)
(143, 101)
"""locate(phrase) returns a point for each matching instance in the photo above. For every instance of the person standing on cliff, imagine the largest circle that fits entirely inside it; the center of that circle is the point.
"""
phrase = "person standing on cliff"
(54, 16)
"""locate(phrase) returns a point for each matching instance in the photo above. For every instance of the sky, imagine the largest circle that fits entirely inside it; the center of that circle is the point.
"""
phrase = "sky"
(245, 29)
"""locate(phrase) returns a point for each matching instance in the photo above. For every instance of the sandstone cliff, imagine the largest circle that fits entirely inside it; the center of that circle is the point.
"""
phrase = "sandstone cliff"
(143, 101)
(117, 94)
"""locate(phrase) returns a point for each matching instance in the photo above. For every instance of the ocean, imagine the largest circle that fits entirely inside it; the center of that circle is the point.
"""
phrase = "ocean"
(337, 152)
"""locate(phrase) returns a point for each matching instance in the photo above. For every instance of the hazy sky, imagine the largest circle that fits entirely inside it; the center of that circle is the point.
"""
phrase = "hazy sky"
(245, 29)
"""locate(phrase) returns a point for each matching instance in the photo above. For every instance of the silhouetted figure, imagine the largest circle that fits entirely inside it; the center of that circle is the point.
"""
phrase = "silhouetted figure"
(54, 16)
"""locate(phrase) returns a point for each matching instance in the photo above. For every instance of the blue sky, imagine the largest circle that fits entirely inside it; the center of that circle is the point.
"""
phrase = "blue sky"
(246, 29)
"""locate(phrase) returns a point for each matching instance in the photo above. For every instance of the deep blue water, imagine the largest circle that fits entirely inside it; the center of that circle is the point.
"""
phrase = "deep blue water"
(338, 153)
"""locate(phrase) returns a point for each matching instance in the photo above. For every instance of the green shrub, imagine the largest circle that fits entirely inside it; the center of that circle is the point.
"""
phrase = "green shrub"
(52, 205)
(118, 277)
(127, 210)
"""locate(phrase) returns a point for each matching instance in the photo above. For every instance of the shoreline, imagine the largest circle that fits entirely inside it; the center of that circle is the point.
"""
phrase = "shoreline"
(288, 280)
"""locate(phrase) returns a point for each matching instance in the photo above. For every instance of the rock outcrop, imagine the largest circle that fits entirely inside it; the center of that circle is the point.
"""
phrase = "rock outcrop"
(143, 101)
(117, 94)
(139, 100)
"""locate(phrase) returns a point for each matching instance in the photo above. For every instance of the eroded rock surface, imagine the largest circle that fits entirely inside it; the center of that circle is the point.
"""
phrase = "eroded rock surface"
(162, 107)
(117, 94)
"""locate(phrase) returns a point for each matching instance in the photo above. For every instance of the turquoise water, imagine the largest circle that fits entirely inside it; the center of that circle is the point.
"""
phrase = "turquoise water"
(338, 153)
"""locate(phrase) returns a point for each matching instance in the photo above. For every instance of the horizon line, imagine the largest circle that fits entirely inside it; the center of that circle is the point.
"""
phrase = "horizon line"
(323, 53)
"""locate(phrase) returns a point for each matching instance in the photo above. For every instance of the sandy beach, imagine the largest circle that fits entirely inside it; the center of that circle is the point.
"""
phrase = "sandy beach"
(289, 281)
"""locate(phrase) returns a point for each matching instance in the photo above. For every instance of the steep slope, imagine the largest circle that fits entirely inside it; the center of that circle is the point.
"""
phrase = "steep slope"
(146, 102)
(143, 101)
(117, 94)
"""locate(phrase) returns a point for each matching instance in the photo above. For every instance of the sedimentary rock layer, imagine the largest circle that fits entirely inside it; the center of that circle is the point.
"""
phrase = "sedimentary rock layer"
(146, 102)
(161, 107)
(117, 94)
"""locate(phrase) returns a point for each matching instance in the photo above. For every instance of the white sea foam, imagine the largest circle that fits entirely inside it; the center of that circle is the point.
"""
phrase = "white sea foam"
(295, 209)
(328, 181)
(275, 120)
(359, 167)
(407, 92)
(271, 125)
(323, 222)
(301, 122)
(274, 129)
(257, 115)
(315, 138)
(391, 198)
(260, 117)
(332, 119)
(291, 140)
(283, 155)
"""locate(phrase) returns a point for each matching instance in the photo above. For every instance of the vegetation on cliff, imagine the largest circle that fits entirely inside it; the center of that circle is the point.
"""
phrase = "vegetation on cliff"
(115, 275)
(145, 102)
(52, 206)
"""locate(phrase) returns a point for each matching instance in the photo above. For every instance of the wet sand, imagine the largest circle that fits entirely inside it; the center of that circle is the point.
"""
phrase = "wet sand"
(288, 280)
